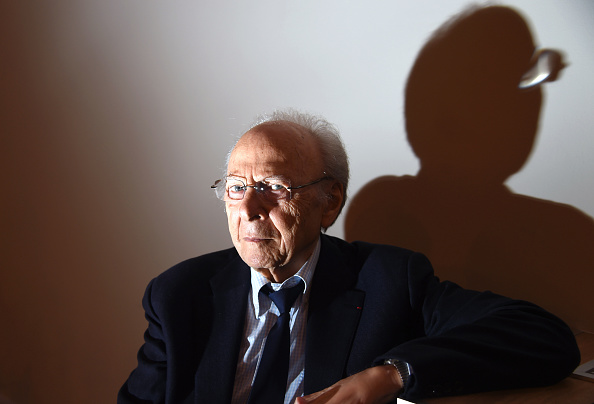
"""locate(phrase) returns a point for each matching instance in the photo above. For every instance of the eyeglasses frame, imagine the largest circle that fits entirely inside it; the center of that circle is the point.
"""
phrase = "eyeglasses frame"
(290, 188)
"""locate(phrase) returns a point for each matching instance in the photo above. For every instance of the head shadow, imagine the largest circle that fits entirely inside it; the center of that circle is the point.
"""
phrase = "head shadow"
(472, 107)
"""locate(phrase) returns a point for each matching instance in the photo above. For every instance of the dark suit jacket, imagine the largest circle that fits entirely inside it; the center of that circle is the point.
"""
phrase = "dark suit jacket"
(367, 303)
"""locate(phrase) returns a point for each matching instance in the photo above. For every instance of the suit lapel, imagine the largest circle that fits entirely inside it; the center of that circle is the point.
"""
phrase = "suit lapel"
(216, 373)
(334, 312)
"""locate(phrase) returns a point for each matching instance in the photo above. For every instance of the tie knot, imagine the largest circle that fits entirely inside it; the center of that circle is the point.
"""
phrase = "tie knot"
(284, 298)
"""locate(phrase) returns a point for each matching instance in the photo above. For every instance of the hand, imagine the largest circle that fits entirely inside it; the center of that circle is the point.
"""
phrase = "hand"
(376, 385)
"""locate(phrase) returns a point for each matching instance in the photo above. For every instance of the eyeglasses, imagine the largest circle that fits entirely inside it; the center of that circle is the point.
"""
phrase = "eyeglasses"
(272, 188)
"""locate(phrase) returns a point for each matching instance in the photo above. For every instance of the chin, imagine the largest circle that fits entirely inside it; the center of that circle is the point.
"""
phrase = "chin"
(255, 261)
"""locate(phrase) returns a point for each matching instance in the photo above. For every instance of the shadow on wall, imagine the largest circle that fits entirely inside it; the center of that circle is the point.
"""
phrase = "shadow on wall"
(472, 125)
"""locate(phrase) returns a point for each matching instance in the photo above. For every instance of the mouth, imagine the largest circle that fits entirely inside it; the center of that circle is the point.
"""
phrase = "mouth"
(255, 239)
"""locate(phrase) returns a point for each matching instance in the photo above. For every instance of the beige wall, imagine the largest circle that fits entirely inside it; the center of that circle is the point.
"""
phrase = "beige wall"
(116, 117)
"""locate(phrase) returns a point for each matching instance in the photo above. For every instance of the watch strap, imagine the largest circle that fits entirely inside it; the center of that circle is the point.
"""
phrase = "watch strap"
(402, 367)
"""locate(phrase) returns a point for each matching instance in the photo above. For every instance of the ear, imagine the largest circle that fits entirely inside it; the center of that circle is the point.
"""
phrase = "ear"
(333, 204)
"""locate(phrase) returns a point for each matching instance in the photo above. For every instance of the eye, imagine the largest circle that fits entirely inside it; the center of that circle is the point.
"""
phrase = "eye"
(236, 188)
(277, 187)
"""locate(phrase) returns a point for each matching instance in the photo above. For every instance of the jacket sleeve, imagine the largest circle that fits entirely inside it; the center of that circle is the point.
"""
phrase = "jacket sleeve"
(479, 341)
(146, 383)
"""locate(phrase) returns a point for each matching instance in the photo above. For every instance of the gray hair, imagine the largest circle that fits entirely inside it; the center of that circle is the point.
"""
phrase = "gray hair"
(332, 150)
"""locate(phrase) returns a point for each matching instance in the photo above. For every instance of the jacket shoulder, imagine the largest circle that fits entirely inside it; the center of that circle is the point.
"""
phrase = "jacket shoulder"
(362, 251)
(194, 273)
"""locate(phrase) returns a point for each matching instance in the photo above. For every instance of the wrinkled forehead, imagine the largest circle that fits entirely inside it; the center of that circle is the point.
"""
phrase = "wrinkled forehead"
(276, 148)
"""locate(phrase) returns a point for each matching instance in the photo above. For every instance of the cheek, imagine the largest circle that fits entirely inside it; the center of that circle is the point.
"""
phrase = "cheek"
(288, 217)
(294, 218)
(232, 218)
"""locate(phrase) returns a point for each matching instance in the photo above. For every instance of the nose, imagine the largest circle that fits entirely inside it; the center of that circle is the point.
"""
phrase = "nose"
(253, 206)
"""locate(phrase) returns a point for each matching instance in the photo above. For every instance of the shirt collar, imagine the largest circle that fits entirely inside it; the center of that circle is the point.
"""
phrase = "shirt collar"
(305, 274)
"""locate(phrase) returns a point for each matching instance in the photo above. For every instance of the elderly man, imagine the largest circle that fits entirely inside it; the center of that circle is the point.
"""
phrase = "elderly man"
(294, 316)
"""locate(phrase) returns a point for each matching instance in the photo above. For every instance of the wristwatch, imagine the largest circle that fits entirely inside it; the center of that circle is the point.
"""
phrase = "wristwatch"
(402, 367)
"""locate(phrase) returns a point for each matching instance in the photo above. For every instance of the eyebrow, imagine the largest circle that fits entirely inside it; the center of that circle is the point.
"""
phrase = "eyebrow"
(270, 177)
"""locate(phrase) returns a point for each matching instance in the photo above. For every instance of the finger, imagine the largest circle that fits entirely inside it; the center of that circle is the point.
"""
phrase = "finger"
(320, 397)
